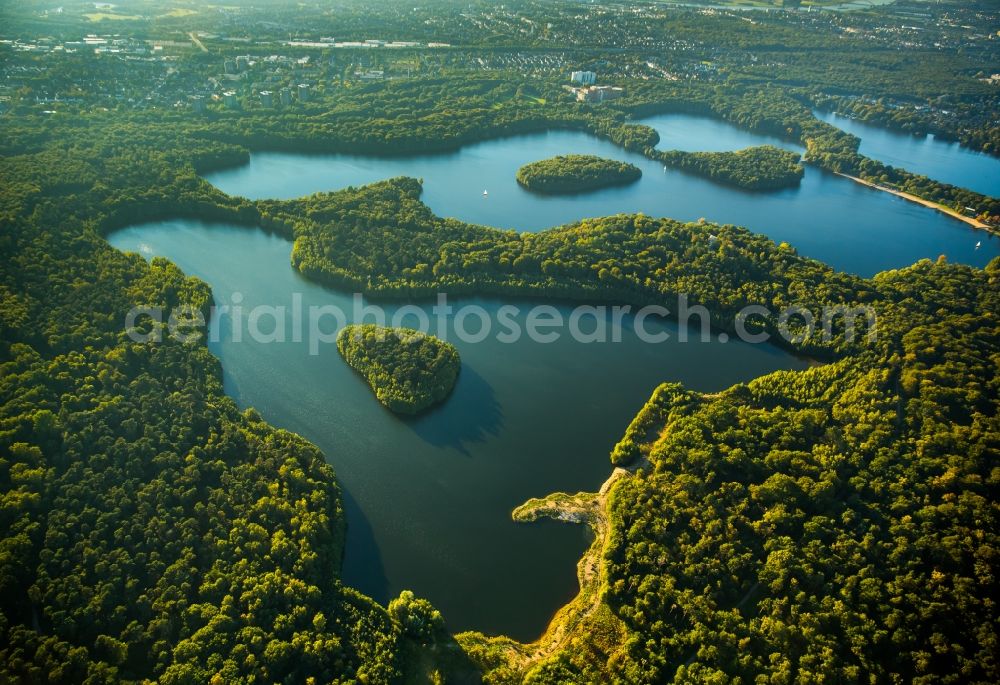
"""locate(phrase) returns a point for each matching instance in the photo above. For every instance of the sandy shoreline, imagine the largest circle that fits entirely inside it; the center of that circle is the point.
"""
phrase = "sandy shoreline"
(921, 201)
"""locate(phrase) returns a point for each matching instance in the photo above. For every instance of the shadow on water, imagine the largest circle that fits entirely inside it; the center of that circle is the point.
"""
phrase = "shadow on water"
(363, 568)
(470, 415)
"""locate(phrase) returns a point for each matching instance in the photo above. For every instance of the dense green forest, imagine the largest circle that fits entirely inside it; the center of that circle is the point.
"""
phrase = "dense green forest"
(575, 174)
(838, 523)
(381, 239)
(848, 455)
(151, 530)
(407, 370)
(825, 524)
(756, 168)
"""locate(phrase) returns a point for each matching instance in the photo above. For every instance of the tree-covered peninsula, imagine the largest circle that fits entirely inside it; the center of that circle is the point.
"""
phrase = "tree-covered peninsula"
(409, 371)
(756, 168)
(575, 174)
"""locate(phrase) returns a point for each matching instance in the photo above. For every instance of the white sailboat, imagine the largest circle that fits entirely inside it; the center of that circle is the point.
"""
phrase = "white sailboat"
(485, 193)
(979, 244)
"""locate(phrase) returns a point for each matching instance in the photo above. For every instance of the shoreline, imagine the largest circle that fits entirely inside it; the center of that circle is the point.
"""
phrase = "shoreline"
(586, 610)
(584, 508)
(975, 223)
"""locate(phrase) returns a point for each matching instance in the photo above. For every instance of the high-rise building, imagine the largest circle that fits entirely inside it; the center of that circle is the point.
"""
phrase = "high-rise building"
(229, 66)
(586, 78)
(303, 92)
(198, 103)
(285, 94)
(265, 98)
(230, 101)
(242, 62)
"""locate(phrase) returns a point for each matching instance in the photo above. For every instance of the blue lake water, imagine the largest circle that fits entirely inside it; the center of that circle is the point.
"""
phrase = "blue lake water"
(849, 226)
(429, 499)
(938, 159)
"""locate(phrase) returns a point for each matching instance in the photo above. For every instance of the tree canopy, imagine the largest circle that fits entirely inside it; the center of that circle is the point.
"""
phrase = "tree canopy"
(756, 168)
(408, 371)
(836, 523)
(566, 174)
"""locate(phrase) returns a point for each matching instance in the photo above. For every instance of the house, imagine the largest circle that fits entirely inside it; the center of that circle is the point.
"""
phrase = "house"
(598, 93)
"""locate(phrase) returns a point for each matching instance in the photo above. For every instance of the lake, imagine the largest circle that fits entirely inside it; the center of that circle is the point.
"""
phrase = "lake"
(428, 499)
(847, 225)
(938, 159)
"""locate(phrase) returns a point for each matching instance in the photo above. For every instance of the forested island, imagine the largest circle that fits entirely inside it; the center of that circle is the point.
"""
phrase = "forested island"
(407, 370)
(756, 168)
(566, 174)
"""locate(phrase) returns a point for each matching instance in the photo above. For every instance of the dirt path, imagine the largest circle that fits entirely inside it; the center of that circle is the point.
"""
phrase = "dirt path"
(592, 510)
(921, 201)
(197, 42)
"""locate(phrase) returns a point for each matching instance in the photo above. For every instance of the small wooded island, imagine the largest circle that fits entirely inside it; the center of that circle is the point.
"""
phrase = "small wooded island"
(755, 168)
(575, 174)
(408, 370)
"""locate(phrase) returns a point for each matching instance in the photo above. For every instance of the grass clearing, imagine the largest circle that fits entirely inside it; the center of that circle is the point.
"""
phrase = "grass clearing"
(101, 16)
(178, 12)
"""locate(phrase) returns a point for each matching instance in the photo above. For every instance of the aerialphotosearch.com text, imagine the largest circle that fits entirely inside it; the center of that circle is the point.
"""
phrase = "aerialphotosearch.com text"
(471, 322)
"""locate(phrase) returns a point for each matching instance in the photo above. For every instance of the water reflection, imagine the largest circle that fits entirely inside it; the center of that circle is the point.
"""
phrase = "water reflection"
(473, 415)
